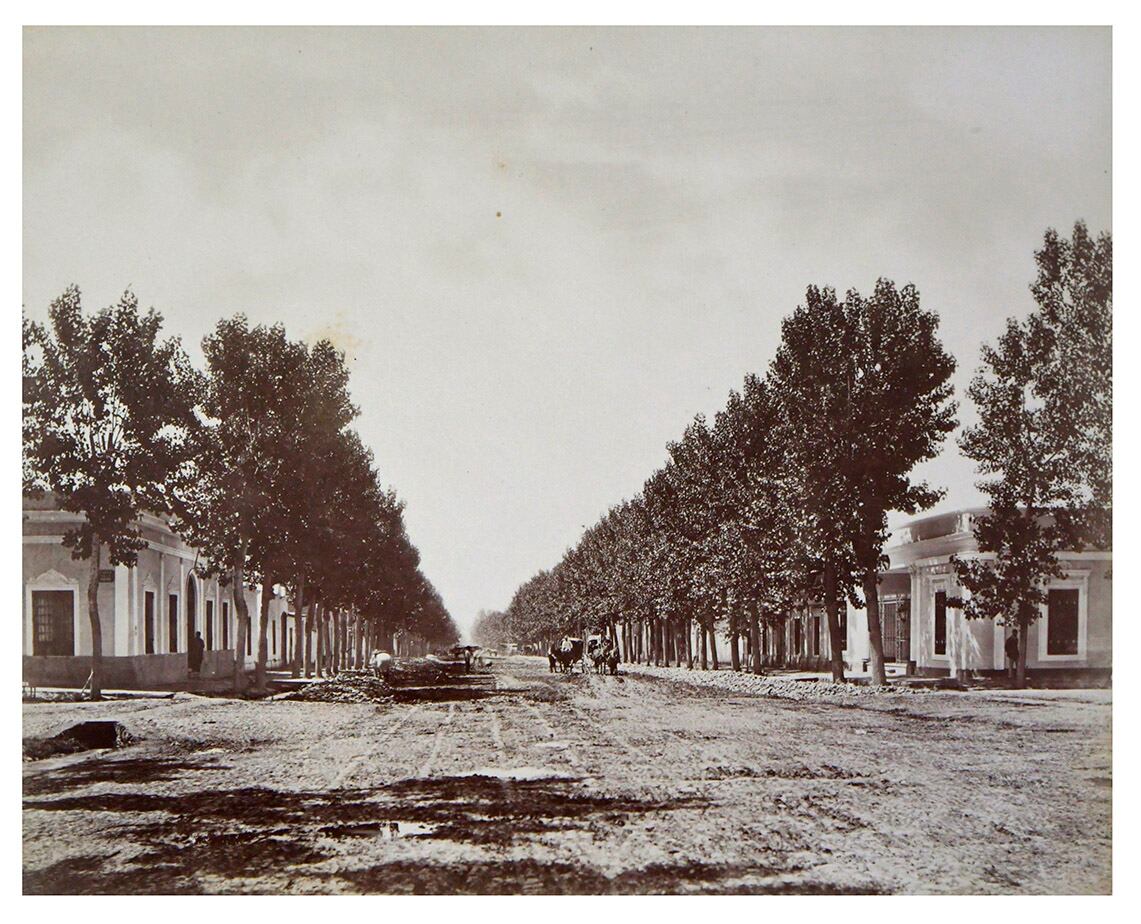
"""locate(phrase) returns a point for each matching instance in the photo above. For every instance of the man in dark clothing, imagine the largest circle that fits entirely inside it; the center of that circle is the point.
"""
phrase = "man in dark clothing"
(196, 653)
(1012, 655)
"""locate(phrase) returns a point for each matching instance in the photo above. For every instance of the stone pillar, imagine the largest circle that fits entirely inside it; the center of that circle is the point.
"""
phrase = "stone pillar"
(915, 609)
(998, 658)
(183, 641)
(138, 612)
(162, 643)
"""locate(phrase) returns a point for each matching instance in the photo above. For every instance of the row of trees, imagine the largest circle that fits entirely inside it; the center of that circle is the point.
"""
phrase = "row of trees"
(782, 500)
(253, 461)
(490, 629)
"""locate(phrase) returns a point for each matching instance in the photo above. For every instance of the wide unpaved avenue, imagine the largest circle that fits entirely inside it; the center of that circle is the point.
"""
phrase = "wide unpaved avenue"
(526, 782)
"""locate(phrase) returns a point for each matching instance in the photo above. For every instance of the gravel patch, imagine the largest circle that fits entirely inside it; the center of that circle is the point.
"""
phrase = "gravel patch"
(773, 687)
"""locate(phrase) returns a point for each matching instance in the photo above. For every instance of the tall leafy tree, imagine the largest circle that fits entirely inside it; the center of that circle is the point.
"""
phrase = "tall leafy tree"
(108, 412)
(901, 411)
(810, 380)
(321, 457)
(773, 568)
(866, 396)
(231, 506)
(1043, 440)
(1074, 294)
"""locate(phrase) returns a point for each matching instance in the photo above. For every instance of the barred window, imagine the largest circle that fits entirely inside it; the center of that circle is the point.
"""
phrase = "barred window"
(941, 623)
(149, 623)
(1062, 622)
(172, 620)
(53, 622)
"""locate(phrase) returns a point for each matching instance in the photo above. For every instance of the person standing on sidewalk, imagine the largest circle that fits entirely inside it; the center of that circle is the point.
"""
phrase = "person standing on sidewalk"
(196, 653)
(1012, 655)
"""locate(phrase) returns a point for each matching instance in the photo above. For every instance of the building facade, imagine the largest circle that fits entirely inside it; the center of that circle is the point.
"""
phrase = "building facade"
(922, 633)
(148, 613)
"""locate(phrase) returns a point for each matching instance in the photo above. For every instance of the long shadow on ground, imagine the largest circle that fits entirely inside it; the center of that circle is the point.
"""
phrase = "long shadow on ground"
(239, 833)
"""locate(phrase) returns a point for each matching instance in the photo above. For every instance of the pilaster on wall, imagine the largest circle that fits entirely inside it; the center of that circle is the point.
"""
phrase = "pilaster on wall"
(122, 644)
(916, 608)
(162, 642)
(183, 640)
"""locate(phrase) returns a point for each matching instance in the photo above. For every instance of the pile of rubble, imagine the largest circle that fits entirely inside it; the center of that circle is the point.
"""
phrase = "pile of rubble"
(346, 687)
(423, 671)
(86, 736)
(777, 687)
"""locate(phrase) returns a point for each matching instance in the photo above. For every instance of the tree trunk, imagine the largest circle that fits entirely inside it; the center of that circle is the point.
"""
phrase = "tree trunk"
(298, 630)
(735, 650)
(713, 644)
(875, 633)
(1020, 674)
(308, 646)
(93, 619)
(263, 634)
(704, 647)
(319, 618)
(832, 608)
(347, 630)
(237, 579)
(347, 639)
(755, 640)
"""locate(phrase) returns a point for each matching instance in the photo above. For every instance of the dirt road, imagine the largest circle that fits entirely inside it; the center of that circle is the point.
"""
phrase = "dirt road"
(522, 781)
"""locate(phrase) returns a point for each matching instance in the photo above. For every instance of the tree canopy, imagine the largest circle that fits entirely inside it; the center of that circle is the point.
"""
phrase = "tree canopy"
(108, 421)
(1043, 443)
(253, 461)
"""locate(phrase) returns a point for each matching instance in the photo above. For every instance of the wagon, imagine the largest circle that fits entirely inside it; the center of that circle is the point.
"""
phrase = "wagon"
(567, 652)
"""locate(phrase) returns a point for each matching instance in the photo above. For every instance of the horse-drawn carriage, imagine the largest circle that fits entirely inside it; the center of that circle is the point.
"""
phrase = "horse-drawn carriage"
(598, 650)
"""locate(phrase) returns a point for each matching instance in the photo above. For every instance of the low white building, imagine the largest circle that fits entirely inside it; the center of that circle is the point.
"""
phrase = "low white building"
(148, 613)
(923, 634)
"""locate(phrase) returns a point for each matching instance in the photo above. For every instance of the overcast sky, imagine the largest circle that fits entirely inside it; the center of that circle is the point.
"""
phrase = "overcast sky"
(545, 250)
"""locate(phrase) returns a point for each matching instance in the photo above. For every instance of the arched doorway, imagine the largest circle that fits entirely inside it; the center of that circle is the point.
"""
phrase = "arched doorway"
(191, 610)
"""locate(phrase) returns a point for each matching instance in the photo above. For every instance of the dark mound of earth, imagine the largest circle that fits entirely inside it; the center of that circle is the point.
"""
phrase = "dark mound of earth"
(86, 736)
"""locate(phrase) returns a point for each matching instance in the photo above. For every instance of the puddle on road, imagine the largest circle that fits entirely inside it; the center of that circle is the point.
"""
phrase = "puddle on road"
(383, 830)
(553, 745)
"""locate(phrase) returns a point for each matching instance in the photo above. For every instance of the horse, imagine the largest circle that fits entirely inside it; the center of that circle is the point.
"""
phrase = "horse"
(568, 651)
(612, 661)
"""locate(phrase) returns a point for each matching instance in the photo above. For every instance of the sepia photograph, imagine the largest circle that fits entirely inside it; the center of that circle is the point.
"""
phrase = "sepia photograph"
(567, 460)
